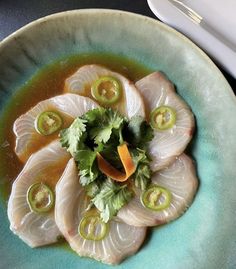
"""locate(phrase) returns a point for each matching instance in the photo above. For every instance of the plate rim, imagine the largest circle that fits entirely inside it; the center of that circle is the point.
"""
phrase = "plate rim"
(30, 26)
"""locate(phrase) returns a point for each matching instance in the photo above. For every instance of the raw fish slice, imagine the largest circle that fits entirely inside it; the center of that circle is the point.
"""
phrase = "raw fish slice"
(121, 240)
(83, 78)
(158, 91)
(180, 179)
(28, 140)
(47, 165)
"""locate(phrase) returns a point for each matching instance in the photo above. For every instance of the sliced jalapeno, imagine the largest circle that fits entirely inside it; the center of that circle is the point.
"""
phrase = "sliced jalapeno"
(106, 90)
(40, 198)
(48, 122)
(156, 198)
(163, 118)
(91, 227)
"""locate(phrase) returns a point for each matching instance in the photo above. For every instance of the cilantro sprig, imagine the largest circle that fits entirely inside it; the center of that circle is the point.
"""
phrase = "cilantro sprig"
(101, 131)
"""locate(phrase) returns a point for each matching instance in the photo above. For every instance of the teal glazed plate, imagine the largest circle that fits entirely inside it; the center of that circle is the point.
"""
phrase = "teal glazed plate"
(205, 236)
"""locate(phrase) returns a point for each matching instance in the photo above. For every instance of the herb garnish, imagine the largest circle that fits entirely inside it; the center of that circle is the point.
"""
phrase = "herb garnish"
(101, 131)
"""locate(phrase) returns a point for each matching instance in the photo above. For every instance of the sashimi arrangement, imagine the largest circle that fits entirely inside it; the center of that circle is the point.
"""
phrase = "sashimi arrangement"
(102, 162)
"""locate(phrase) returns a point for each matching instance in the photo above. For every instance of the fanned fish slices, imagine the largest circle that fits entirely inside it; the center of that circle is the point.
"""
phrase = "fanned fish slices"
(47, 199)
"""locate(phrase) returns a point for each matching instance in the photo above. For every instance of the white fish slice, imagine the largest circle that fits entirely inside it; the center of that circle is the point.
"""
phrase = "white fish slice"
(72, 105)
(35, 229)
(87, 74)
(180, 179)
(121, 240)
(166, 144)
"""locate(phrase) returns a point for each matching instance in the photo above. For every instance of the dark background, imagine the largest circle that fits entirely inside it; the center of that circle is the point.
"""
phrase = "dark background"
(16, 13)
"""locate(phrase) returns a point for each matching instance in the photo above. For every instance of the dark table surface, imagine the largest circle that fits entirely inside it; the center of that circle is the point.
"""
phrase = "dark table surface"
(16, 13)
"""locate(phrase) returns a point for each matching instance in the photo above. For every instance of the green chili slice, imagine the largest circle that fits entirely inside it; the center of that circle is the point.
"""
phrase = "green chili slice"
(106, 90)
(163, 118)
(156, 198)
(48, 122)
(91, 227)
(40, 198)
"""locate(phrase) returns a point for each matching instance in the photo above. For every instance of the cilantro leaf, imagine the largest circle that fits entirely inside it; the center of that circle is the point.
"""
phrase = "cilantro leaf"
(143, 173)
(93, 188)
(142, 176)
(87, 165)
(138, 132)
(72, 138)
(111, 198)
(110, 153)
(106, 123)
(94, 116)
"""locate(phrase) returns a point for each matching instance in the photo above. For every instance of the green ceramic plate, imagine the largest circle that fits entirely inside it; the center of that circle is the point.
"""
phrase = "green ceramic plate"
(204, 237)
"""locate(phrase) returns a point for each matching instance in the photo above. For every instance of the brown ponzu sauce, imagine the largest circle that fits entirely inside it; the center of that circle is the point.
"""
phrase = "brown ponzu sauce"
(46, 83)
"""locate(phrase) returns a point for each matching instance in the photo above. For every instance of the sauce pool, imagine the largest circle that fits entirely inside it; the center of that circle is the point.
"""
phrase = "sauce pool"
(46, 83)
